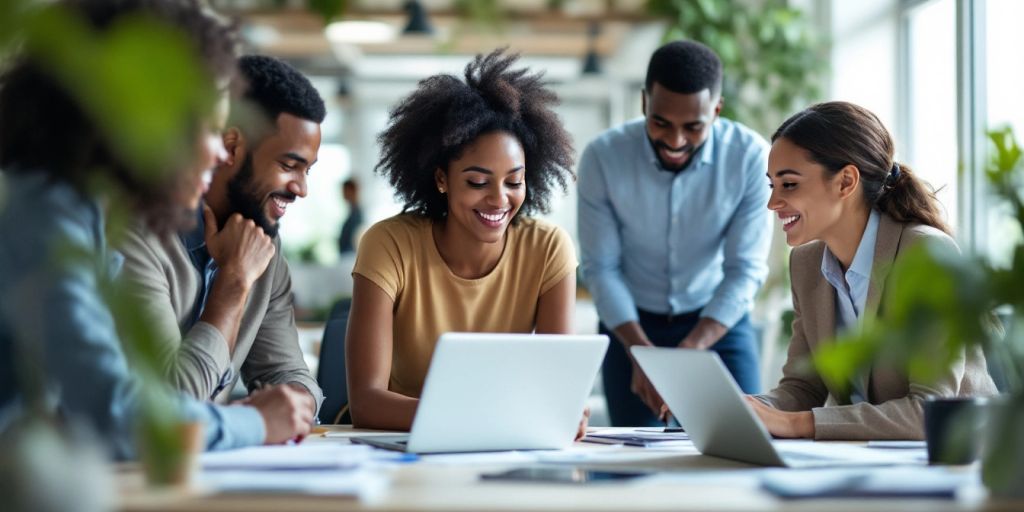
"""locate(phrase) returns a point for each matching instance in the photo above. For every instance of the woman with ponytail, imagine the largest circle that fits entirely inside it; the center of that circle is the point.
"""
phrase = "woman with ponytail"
(849, 210)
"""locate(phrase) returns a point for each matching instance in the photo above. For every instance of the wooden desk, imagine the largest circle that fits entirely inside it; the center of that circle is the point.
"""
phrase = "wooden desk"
(424, 486)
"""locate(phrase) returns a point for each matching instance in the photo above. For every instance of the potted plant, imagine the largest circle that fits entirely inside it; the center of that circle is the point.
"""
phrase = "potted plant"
(939, 303)
(147, 129)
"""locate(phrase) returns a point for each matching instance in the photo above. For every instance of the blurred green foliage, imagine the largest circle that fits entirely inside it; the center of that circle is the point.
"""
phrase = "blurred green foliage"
(937, 303)
(774, 63)
(141, 83)
(487, 14)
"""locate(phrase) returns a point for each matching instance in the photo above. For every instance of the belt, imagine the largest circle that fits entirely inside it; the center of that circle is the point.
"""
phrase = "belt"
(669, 317)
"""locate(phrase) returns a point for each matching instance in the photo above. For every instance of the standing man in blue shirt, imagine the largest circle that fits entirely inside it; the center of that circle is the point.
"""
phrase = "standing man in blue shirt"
(673, 229)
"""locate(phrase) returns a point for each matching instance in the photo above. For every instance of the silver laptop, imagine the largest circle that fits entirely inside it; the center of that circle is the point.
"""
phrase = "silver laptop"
(707, 402)
(492, 392)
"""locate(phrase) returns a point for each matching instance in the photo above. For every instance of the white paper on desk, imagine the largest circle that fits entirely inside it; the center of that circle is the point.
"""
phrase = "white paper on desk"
(892, 482)
(357, 483)
(612, 455)
(853, 454)
(289, 457)
(898, 445)
(480, 458)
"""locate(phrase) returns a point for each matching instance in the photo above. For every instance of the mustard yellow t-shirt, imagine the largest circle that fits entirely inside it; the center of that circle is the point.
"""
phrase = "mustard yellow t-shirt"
(399, 255)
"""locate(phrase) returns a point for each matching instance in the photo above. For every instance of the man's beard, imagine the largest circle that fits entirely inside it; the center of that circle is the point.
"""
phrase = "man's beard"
(244, 199)
(689, 148)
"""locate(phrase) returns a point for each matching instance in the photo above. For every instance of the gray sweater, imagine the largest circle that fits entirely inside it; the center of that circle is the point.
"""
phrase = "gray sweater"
(170, 286)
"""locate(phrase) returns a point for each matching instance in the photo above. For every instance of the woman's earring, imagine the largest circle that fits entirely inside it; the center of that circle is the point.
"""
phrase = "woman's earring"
(440, 189)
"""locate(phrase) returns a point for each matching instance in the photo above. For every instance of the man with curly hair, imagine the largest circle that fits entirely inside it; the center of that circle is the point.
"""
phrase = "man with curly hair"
(673, 230)
(221, 293)
(471, 159)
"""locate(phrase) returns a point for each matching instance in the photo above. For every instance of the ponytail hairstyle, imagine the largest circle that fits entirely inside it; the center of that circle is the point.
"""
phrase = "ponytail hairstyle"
(836, 134)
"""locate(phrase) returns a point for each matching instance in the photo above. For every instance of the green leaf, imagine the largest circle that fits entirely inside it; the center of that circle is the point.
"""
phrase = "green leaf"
(328, 9)
(140, 82)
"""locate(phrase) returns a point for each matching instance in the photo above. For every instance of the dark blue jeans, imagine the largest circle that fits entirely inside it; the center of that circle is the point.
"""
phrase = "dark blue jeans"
(738, 350)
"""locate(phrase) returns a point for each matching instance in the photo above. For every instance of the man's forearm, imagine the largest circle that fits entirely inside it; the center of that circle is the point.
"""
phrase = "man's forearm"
(706, 333)
(630, 334)
(224, 307)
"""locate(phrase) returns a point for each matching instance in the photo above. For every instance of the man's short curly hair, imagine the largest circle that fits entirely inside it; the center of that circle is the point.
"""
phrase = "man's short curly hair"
(685, 67)
(435, 124)
(277, 88)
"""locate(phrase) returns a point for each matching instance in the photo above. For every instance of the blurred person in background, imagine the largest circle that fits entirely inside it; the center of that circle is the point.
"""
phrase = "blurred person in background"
(350, 228)
(220, 293)
(63, 181)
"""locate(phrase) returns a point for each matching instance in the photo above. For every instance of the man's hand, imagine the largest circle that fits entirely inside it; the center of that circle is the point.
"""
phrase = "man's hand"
(285, 410)
(706, 333)
(631, 334)
(582, 429)
(241, 249)
(782, 423)
(642, 387)
(307, 397)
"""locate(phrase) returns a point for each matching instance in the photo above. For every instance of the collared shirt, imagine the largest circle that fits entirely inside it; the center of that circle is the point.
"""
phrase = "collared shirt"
(852, 286)
(53, 263)
(674, 242)
(195, 244)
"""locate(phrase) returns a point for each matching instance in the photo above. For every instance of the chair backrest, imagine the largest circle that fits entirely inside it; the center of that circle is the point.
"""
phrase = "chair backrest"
(330, 373)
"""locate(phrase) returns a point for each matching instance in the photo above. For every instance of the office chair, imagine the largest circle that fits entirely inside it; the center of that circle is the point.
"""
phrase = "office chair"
(330, 373)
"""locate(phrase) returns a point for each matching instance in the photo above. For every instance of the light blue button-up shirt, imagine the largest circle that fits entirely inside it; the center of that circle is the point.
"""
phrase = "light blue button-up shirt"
(52, 307)
(674, 242)
(852, 286)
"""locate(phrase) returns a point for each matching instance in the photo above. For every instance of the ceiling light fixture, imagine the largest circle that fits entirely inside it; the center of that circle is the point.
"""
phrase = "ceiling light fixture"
(592, 61)
(419, 23)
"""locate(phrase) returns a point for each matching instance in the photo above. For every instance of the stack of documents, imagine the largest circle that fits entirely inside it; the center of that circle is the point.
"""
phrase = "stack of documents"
(315, 468)
(919, 482)
(638, 437)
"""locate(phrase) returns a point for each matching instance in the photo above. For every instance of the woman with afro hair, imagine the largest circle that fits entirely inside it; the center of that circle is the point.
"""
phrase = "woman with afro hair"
(471, 159)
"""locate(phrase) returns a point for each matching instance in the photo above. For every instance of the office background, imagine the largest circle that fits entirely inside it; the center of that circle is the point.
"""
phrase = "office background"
(939, 73)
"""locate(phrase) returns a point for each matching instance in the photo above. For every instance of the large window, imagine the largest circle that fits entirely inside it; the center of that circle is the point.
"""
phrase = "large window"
(1004, 98)
(931, 99)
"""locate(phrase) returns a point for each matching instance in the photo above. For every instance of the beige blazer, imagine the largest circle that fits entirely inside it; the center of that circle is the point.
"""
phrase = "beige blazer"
(893, 409)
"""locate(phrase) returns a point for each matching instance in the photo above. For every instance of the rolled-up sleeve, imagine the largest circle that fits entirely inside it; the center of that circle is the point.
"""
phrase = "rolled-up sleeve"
(56, 271)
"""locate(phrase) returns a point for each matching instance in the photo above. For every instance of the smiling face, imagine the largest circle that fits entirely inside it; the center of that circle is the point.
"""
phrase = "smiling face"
(808, 199)
(264, 180)
(678, 124)
(209, 154)
(485, 186)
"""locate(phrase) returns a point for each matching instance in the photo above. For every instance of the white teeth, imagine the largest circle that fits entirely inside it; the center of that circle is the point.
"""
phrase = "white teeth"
(280, 203)
(789, 220)
(492, 217)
